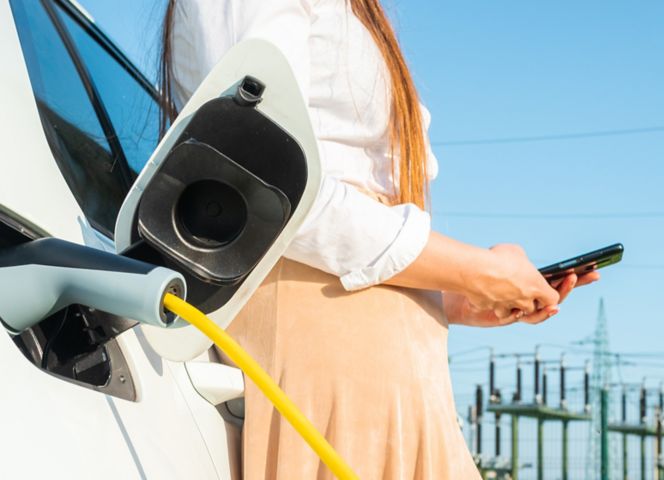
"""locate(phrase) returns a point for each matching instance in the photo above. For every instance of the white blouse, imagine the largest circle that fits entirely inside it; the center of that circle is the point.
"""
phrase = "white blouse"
(342, 75)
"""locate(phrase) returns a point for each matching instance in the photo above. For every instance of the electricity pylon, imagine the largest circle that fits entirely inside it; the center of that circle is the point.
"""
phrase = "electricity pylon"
(601, 378)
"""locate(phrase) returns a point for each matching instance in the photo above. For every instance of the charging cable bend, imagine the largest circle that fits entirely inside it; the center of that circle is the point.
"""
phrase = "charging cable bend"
(270, 389)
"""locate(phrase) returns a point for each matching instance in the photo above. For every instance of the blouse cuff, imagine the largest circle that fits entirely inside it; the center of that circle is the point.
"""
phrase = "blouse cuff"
(405, 248)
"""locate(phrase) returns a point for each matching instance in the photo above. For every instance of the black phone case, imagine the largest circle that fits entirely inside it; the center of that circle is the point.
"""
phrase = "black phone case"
(584, 263)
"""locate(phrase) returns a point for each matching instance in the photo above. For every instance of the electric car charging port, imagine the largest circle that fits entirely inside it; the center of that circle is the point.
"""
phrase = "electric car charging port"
(76, 344)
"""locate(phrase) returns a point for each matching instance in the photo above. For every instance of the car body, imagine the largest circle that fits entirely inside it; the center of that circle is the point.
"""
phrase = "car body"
(78, 122)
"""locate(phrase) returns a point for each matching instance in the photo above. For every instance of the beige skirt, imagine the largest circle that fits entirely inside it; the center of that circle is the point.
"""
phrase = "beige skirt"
(368, 368)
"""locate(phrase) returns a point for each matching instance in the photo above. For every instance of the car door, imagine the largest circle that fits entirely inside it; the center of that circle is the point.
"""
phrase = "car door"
(80, 398)
(126, 409)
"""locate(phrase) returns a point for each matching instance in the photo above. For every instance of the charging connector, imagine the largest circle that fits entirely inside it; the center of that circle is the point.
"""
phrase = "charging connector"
(41, 277)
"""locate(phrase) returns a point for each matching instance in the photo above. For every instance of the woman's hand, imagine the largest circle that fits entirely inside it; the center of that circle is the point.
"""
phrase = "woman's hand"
(500, 281)
(460, 310)
(511, 286)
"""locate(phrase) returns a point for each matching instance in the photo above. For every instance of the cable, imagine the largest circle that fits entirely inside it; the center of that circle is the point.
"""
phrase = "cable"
(264, 382)
(587, 351)
(643, 354)
(551, 216)
(470, 350)
(462, 361)
(548, 138)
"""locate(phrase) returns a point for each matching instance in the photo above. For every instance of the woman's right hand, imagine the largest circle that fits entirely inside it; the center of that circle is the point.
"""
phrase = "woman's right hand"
(500, 280)
(511, 286)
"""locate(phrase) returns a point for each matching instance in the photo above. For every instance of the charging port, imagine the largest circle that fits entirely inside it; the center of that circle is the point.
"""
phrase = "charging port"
(76, 344)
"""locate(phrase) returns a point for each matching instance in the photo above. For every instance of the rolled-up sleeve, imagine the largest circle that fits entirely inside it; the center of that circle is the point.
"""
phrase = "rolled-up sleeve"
(357, 238)
(347, 233)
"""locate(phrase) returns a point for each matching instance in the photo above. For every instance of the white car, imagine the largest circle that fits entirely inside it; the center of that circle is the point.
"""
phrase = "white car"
(86, 394)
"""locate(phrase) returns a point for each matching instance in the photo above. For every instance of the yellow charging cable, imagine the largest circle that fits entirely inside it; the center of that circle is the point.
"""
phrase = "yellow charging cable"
(270, 389)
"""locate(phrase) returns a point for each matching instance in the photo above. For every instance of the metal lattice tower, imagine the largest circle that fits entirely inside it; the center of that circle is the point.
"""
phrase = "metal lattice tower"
(601, 378)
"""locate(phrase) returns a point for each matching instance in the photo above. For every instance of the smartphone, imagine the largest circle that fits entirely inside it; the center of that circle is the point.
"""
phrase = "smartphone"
(584, 263)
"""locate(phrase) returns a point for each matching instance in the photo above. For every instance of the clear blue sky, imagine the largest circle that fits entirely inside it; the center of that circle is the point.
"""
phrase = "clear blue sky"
(512, 69)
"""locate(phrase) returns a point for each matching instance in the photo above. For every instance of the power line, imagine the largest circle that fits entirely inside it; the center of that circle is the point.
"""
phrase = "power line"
(641, 267)
(550, 215)
(454, 362)
(470, 350)
(642, 354)
(647, 364)
(567, 348)
(548, 138)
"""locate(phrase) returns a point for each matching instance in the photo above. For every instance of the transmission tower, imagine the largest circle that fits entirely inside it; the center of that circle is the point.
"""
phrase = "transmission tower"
(601, 378)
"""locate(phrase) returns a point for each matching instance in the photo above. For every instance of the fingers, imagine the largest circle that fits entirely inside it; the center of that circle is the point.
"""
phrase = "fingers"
(564, 287)
(540, 315)
(514, 316)
(502, 312)
(515, 311)
(548, 297)
(588, 278)
(556, 283)
(567, 285)
(525, 306)
(571, 281)
(532, 313)
(585, 279)
(533, 318)
(546, 293)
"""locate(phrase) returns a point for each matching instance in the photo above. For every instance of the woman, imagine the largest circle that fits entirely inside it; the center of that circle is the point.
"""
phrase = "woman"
(351, 323)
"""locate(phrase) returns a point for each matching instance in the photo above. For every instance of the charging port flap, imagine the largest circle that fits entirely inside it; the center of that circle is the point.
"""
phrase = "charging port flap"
(226, 190)
(209, 214)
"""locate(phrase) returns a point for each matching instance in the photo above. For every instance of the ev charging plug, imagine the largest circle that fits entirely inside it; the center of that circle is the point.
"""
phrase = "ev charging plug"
(40, 277)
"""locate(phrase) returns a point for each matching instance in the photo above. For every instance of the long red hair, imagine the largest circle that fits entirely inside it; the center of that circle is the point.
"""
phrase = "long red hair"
(406, 131)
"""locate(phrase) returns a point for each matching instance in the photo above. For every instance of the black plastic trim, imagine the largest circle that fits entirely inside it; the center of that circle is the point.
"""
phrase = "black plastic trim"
(7, 327)
(120, 381)
(250, 92)
(22, 231)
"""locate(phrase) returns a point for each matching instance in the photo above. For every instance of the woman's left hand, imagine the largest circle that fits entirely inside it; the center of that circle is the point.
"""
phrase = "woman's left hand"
(460, 311)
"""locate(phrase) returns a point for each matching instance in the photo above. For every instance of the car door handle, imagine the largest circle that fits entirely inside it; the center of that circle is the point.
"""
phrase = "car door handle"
(215, 382)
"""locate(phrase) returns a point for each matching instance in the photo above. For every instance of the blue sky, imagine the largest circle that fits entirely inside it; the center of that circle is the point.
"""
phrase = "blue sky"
(496, 70)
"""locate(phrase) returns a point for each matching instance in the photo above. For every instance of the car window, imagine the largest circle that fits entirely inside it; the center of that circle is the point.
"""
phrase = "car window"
(73, 129)
(132, 110)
